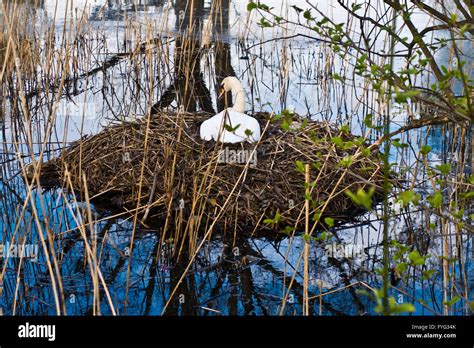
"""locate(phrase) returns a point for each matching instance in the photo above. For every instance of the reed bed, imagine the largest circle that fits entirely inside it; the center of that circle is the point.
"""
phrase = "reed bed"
(18, 47)
(156, 169)
(187, 176)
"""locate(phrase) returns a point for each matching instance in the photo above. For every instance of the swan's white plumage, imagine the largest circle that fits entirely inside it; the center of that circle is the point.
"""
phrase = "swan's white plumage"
(245, 128)
(213, 128)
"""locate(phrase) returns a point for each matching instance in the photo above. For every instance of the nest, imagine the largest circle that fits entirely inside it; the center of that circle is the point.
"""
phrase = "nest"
(160, 168)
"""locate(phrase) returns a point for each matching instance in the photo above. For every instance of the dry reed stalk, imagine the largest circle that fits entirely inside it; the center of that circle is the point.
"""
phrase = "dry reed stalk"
(306, 245)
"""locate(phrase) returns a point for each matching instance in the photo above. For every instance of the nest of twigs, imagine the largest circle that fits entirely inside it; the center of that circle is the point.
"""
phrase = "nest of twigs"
(161, 169)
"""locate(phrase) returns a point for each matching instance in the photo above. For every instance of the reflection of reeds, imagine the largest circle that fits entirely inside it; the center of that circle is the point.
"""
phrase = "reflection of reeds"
(151, 70)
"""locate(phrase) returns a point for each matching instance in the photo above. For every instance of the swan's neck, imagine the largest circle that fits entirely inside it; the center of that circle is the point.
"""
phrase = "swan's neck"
(239, 94)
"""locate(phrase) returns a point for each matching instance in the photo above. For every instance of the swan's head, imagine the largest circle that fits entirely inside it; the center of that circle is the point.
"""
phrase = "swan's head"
(230, 83)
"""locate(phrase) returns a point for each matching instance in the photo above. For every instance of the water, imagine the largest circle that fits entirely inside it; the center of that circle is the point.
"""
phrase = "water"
(231, 275)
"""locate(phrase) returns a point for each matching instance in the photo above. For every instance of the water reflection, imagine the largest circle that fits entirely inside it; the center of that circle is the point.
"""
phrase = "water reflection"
(198, 30)
(232, 274)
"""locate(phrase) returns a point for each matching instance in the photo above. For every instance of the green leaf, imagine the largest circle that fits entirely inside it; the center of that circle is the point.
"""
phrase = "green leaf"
(368, 121)
(471, 179)
(401, 267)
(362, 198)
(356, 7)
(323, 21)
(468, 195)
(408, 197)
(452, 301)
(458, 214)
(436, 200)
(277, 217)
(263, 7)
(329, 221)
(346, 161)
(398, 144)
(316, 216)
(338, 141)
(428, 273)
(288, 230)
(419, 262)
(276, 117)
(445, 169)
(338, 27)
(402, 97)
(264, 23)
(248, 132)
(426, 149)
(337, 77)
(414, 256)
(307, 15)
(273, 221)
(364, 292)
(402, 308)
(299, 166)
(317, 165)
(230, 128)
(285, 125)
(251, 6)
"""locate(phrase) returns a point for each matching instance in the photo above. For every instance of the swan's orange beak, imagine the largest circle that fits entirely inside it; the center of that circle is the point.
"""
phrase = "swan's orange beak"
(221, 93)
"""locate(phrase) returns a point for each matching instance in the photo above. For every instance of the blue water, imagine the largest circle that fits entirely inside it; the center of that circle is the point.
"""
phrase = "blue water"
(220, 280)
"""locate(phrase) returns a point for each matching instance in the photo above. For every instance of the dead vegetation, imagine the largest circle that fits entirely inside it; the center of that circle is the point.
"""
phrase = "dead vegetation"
(160, 167)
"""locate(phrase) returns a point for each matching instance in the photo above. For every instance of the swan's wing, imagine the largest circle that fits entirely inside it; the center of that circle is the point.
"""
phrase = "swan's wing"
(210, 128)
(242, 123)
(248, 125)
(256, 127)
(206, 130)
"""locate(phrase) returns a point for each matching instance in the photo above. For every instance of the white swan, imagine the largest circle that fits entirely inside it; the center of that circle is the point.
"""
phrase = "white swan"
(238, 127)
